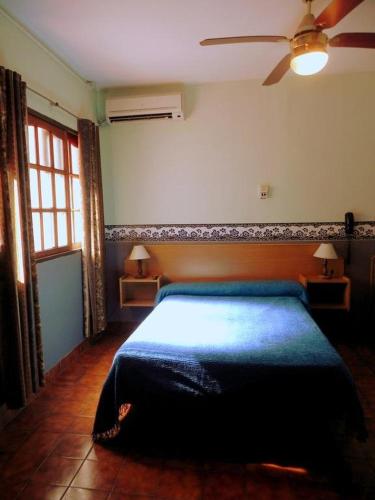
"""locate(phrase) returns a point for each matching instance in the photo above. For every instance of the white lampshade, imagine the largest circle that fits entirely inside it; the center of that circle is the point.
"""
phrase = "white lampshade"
(139, 253)
(326, 251)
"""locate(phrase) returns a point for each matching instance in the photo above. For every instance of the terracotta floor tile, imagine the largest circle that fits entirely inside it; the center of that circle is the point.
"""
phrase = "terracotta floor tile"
(40, 443)
(102, 454)
(118, 494)
(45, 409)
(10, 490)
(224, 486)
(96, 379)
(70, 375)
(37, 491)
(42, 403)
(179, 484)
(139, 479)
(264, 489)
(96, 475)
(80, 395)
(103, 368)
(57, 470)
(88, 409)
(91, 396)
(28, 419)
(263, 492)
(90, 356)
(69, 407)
(93, 387)
(84, 494)
(20, 467)
(11, 440)
(57, 392)
(73, 446)
(56, 423)
(81, 425)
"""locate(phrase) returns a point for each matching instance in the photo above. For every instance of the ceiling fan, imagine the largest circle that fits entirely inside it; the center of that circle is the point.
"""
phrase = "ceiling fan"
(308, 47)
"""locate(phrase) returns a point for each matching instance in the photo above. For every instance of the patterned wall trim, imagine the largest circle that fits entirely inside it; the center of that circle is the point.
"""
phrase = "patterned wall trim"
(240, 232)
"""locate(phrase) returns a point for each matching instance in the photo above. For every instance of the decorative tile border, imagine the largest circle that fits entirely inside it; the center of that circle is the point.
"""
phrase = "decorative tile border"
(240, 232)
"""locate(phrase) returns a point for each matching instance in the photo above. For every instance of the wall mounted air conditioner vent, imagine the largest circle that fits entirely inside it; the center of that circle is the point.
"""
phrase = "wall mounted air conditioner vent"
(150, 107)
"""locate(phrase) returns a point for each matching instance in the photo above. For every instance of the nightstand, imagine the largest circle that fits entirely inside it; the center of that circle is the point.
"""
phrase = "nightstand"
(327, 293)
(138, 292)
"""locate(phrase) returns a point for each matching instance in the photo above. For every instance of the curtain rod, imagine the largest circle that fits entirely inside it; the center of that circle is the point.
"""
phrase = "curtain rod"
(54, 103)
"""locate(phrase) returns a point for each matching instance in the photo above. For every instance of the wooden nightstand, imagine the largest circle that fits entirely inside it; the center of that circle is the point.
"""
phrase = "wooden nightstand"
(327, 294)
(138, 292)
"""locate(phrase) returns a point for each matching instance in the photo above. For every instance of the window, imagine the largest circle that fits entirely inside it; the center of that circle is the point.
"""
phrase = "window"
(54, 187)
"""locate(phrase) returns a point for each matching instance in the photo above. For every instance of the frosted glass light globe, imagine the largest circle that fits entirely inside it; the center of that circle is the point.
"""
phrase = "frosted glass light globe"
(309, 62)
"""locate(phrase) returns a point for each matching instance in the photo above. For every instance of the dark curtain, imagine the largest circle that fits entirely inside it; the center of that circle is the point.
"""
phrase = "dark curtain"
(21, 345)
(95, 321)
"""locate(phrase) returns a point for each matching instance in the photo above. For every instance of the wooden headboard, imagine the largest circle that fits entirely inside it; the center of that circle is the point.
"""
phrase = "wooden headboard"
(218, 261)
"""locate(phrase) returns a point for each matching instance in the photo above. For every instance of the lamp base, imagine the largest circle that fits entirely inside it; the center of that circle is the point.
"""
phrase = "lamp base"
(139, 274)
(326, 274)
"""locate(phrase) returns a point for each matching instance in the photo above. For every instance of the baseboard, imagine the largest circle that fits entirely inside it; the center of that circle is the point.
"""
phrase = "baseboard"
(8, 414)
(65, 362)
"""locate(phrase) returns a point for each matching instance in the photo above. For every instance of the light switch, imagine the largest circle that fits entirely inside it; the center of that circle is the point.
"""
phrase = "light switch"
(263, 190)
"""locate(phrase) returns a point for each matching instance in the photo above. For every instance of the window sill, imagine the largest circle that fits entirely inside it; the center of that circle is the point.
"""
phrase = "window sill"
(57, 255)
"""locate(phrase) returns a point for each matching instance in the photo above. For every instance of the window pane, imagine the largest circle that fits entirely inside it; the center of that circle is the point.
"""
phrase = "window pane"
(77, 227)
(44, 153)
(58, 152)
(37, 232)
(76, 193)
(62, 229)
(34, 188)
(74, 154)
(55, 189)
(46, 185)
(60, 191)
(48, 231)
(31, 144)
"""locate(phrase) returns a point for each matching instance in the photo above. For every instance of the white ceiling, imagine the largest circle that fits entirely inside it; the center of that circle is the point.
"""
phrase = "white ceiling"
(143, 42)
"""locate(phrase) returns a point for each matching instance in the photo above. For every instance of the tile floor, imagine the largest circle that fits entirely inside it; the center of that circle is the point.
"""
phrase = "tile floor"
(47, 452)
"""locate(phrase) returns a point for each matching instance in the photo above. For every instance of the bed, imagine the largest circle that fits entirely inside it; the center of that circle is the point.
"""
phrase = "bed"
(245, 352)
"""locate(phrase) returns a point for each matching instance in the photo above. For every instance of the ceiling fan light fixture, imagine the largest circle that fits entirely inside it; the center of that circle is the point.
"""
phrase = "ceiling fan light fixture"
(309, 63)
(309, 53)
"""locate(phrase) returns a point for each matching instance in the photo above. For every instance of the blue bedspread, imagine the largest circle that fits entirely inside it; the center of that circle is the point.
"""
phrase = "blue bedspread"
(252, 343)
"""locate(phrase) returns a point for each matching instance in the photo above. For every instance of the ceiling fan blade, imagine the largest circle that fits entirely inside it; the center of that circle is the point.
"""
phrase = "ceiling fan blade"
(335, 11)
(278, 72)
(243, 39)
(360, 40)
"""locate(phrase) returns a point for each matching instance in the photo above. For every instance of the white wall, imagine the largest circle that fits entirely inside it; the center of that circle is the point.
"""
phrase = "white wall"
(45, 73)
(311, 139)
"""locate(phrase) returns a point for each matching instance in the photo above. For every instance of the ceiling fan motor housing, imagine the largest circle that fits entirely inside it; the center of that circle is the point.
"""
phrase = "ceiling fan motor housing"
(312, 41)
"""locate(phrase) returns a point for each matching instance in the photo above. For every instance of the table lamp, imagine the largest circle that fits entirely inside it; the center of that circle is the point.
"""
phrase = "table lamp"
(326, 251)
(139, 253)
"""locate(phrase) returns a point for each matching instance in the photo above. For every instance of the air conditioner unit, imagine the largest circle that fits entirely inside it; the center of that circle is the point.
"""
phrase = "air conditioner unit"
(148, 107)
